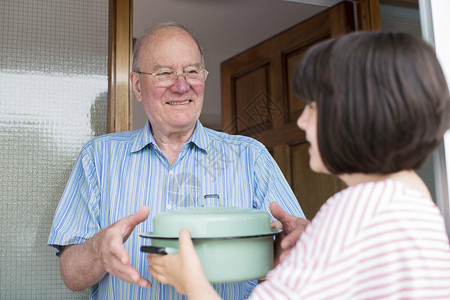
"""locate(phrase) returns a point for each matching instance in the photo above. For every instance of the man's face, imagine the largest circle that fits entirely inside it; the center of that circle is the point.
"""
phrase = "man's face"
(175, 108)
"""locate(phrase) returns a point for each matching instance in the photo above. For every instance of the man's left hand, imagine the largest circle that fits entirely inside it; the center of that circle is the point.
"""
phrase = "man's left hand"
(292, 227)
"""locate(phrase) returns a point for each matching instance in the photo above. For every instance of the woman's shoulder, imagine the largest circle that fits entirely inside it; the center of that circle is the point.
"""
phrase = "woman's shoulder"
(365, 200)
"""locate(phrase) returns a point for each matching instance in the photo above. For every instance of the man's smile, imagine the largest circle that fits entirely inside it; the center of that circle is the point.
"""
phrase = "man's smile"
(178, 102)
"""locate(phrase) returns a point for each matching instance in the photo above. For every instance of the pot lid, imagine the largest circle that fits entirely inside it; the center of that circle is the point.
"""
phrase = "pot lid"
(212, 223)
(152, 235)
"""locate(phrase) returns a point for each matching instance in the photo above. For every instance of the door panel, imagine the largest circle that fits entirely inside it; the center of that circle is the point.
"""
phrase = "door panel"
(258, 100)
(248, 84)
(293, 105)
(307, 183)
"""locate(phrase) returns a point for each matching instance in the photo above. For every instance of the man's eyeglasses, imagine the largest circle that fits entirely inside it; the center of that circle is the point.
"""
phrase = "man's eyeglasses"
(168, 77)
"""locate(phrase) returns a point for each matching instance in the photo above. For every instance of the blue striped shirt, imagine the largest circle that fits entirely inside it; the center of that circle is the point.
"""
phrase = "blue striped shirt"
(116, 174)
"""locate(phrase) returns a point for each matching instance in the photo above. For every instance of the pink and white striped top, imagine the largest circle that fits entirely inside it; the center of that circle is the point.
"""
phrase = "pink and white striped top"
(378, 240)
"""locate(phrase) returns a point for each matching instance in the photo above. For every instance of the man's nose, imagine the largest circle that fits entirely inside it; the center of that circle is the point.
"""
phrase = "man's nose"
(181, 86)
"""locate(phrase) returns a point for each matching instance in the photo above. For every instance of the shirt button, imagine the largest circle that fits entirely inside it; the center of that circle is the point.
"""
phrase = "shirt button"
(169, 206)
(171, 172)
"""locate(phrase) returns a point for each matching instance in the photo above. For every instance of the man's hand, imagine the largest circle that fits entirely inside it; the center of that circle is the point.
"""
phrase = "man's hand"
(109, 248)
(86, 264)
(292, 227)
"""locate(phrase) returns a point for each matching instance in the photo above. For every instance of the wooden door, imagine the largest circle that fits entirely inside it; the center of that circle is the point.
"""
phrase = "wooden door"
(258, 99)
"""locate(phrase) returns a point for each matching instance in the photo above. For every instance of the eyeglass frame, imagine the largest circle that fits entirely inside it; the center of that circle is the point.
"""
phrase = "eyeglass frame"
(154, 74)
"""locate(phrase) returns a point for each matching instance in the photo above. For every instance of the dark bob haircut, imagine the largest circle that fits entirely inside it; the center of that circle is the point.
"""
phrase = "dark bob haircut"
(382, 101)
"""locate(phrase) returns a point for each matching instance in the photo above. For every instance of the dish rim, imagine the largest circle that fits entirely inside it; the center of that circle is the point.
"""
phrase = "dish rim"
(152, 235)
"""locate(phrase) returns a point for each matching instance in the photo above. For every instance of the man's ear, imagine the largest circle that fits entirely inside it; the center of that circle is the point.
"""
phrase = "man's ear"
(136, 85)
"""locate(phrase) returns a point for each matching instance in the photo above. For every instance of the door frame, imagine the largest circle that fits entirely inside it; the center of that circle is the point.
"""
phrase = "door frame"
(120, 57)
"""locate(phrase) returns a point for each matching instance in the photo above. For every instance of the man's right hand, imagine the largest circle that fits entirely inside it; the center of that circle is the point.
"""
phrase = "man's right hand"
(84, 265)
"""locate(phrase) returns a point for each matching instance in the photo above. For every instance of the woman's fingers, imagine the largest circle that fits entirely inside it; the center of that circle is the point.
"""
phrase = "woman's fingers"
(185, 240)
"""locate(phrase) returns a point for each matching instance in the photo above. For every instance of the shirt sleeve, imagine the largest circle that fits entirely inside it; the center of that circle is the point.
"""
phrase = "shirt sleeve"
(270, 185)
(77, 216)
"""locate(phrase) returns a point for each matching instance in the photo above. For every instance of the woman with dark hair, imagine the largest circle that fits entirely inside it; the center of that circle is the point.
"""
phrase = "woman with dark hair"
(377, 106)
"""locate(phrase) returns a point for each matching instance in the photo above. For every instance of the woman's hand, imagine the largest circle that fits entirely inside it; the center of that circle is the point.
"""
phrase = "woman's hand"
(292, 227)
(183, 270)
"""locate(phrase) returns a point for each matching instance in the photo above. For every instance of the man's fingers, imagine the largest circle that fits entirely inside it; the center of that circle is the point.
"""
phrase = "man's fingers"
(121, 254)
(129, 274)
(112, 247)
(290, 240)
(276, 224)
(136, 278)
(108, 246)
(115, 259)
(127, 224)
(138, 217)
(144, 283)
(293, 236)
(277, 211)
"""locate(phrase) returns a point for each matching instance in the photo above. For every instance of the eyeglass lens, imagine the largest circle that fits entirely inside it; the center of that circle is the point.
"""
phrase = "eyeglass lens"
(169, 77)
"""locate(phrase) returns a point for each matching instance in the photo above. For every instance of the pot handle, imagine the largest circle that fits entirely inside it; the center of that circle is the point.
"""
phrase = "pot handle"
(159, 250)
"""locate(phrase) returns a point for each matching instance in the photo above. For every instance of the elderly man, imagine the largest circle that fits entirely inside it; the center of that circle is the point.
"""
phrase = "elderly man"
(121, 181)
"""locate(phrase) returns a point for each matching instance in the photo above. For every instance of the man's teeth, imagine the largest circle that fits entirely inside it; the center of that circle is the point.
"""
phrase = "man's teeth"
(178, 102)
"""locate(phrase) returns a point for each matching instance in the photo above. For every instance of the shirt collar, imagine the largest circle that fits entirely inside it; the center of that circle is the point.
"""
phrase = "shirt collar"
(145, 137)
(200, 137)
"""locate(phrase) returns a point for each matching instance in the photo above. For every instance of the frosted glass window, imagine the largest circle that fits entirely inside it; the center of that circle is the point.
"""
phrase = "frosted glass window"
(53, 95)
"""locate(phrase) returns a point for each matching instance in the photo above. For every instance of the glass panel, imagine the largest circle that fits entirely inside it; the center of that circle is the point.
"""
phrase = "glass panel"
(53, 94)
